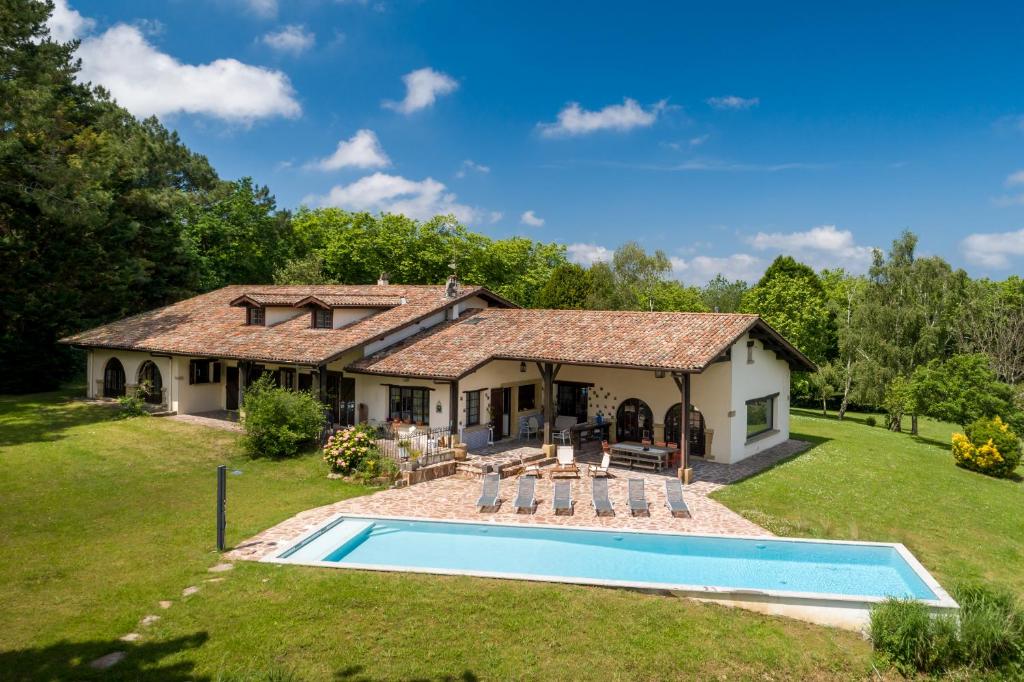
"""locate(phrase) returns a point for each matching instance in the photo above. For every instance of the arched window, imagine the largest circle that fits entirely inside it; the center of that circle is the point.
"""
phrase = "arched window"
(152, 382)
(633, 421)
(113, 379)
(673, 433)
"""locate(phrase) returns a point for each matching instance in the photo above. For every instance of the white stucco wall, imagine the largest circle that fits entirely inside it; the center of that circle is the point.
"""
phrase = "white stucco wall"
(405, 333)
(343, 316)
(766, 375)
(278, 314)
(132, 362)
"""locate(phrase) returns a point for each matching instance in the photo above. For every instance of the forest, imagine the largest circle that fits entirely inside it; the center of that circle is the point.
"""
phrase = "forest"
(103, 216)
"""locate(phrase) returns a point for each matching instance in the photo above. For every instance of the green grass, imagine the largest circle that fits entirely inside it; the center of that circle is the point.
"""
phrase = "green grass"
(102, 517)
(859, 482)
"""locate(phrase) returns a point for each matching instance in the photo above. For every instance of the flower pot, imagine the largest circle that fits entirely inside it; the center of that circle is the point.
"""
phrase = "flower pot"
(461, 452)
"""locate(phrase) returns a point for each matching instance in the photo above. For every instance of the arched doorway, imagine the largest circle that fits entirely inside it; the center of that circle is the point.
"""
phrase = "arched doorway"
(673, 418)
(149, 377)
(634, 420)
(113, 379)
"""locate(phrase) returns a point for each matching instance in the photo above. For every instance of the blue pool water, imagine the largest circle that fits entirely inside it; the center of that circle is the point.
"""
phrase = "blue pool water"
(736, 563)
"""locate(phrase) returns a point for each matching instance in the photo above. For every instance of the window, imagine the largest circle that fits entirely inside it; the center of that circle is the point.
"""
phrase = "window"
(760, 415)
(256, 316)
(472, 408)
(408, 404)
(527, 397)
(571, 400)
(203, 372)
(286, 378)
(323, 319)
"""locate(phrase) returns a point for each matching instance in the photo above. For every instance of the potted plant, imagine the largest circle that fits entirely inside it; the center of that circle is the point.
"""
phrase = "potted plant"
(403, 448)
(414, 459)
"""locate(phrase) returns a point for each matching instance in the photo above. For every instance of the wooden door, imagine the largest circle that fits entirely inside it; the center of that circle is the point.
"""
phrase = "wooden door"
(497, 402)
(231, 389)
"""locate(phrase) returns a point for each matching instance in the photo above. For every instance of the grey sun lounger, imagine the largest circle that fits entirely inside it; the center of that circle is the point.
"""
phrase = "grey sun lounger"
(526, 498)
(563, 497)
(489, 493)
(602, 504)
(637, 499)
(674, 498)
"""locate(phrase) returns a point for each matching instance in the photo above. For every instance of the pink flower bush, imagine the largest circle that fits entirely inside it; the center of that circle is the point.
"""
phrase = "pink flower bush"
(346, 449)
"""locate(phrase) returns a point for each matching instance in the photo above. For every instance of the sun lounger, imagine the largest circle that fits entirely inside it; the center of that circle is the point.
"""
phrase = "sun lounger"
(526, 497)
(606, 461)
(489, 493)
(602, 503)
(674, 498)
(637, 499)
(566, 462)
(563, 497)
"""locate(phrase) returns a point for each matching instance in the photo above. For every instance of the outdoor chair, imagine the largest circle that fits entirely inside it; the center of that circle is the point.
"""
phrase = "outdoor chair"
(489, 493)
(529, 428)
(674, 498)
(602, 503)
(563, 429)
(637, 499)
(563, 497)
(566, 462)
(602, 470)
(526, 497)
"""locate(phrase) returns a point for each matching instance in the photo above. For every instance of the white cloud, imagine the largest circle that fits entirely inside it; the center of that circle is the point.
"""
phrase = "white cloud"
(701, 269)
(1014, 179)
(385, 193)
(531, 219)
(574, 120)
(733, 102)
(821, 247)
(588, 254)
(362, 150)
(67, 24)
(149, 82)
(263, 8)
(993, 249)
(471, 166)
(495, 216)
(422, 88)
(294, 39)
(699, 140)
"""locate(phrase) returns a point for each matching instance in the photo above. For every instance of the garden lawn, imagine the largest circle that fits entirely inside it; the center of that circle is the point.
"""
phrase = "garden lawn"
(867, 483)
(103, 517)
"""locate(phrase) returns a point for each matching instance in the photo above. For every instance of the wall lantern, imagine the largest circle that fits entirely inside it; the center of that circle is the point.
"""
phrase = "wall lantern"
(437, 408)
(522, 367)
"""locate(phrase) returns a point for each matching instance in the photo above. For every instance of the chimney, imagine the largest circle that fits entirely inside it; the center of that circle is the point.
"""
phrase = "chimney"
(382, 281)
(451, 288)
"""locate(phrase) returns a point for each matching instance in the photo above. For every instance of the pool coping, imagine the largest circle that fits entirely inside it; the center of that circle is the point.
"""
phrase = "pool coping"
(943, 601)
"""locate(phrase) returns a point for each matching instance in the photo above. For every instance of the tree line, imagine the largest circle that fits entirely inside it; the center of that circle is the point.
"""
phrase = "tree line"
(103, 216)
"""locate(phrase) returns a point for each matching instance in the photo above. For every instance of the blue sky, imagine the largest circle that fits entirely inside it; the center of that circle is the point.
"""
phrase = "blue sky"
(722, 135)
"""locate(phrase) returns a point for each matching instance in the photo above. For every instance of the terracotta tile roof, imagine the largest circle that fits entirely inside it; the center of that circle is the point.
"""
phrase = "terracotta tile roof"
(685, 342)
(350, 301)
(209, 326)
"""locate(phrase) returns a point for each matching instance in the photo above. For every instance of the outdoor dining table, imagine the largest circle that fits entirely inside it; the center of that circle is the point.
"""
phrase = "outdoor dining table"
(631, 454)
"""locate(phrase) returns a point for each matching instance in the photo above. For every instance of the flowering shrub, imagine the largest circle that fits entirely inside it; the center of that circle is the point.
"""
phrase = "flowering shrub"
(346, 449)
(989, 446)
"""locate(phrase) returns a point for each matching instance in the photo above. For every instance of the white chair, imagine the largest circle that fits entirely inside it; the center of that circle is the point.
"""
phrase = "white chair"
(566, 461)
(606, 462)
(529, 428)
(563, 429)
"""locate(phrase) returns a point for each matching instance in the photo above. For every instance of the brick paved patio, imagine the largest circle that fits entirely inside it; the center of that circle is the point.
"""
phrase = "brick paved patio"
(455, 498)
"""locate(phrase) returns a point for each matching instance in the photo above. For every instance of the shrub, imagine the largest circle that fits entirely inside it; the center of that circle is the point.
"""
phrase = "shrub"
(989, 446)
(909, 638)
(346, 449)
(277, 421)
(132, 405)
(987, 634)
(376, 466)
(870, 420)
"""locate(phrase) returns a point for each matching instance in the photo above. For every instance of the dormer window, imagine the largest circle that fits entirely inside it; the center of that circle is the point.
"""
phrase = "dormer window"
(255, 316)
(323, 319)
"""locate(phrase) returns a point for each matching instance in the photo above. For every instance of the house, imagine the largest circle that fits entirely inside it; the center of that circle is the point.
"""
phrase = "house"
(462, 359)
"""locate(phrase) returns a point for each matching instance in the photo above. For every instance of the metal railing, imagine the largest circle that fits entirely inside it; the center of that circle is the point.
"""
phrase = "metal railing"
(408, 444)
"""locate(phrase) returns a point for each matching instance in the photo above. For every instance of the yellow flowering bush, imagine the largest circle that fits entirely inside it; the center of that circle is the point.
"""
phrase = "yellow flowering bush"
(989, 446)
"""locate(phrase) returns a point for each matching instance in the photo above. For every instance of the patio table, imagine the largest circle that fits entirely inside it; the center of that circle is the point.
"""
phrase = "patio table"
(634, 455)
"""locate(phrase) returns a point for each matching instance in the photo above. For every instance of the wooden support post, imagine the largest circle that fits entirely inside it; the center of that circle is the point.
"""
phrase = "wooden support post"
(683, 383)
(547, 375)
(453, 409)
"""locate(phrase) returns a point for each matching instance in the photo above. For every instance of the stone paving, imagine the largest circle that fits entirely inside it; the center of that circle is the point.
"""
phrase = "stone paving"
(455, 498)
(218, 419)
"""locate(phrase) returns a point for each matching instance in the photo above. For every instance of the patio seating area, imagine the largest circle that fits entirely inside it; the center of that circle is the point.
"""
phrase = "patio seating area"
(455, 497)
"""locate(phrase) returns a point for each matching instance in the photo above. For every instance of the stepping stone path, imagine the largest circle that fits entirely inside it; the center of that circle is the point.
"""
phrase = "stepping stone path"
(189, 591)
(220, 568)
(150, 619)
(214, 580)
(131, 637)
(111, 659)
(165, 604)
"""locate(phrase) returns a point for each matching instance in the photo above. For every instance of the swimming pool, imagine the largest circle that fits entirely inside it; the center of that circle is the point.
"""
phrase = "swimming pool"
(721, 567)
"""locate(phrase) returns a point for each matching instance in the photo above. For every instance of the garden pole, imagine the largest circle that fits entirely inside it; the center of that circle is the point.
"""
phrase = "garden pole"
(222, 485)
